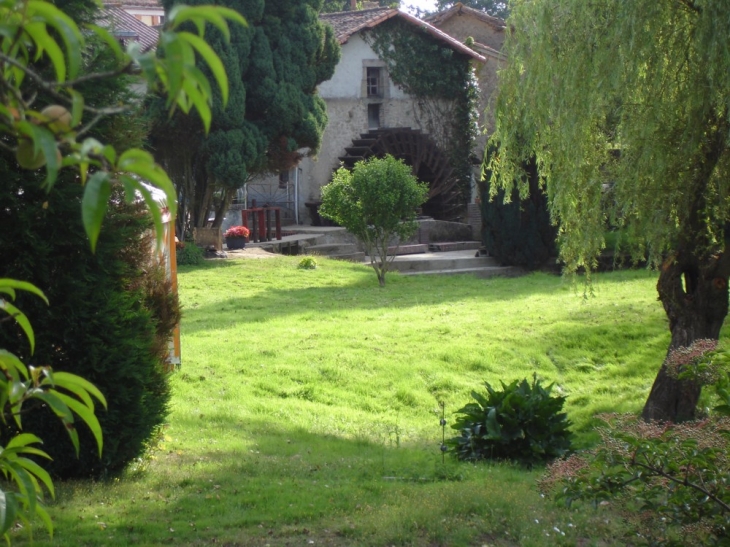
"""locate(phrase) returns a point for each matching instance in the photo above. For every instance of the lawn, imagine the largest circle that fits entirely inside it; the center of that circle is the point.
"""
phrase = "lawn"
(306, 411)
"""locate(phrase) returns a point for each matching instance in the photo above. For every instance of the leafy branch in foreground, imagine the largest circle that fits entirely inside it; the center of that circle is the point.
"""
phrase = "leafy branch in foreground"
(66, 394)
(49, 137)
(35, 34)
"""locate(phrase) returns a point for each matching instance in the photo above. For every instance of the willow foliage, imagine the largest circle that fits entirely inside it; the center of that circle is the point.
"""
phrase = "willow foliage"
(625, 106)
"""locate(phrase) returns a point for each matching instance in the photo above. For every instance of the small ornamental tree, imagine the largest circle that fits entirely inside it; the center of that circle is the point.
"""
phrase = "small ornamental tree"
(376, 202)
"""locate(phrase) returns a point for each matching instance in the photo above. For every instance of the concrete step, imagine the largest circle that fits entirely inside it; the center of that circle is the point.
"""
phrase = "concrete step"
(454, 246)
(504, 271)
(429, 263)
(352, 257)
(408, 249)
(329, 249)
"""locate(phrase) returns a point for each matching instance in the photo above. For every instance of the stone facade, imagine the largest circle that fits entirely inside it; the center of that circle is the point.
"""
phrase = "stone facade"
(350, 109)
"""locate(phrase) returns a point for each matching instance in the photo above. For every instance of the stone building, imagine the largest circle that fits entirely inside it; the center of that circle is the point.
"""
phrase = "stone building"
(368, 115)
(487, 34)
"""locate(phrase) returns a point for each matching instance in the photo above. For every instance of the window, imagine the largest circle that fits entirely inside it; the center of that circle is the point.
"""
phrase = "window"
(283, 180)
(373, 82)
(374, 116)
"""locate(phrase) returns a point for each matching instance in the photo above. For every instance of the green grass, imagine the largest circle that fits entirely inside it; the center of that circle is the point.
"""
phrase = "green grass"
(307, 408)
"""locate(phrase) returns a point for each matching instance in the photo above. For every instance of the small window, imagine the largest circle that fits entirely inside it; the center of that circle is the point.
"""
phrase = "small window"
(373, 116)
(374, 82)
(283, 180)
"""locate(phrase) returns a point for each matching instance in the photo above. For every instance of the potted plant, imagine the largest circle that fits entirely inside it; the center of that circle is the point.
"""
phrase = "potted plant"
(236, 237)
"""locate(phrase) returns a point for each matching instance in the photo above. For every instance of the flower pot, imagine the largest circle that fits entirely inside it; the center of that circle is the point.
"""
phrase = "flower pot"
(234, 243)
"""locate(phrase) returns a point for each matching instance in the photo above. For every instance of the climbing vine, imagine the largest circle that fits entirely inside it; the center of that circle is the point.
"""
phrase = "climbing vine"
(444, 85)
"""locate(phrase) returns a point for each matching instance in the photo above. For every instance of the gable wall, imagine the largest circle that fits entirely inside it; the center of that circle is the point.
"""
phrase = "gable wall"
(461, 27)
(348, 117)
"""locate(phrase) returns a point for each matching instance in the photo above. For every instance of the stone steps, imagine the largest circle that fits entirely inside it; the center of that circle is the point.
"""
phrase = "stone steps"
(430, 263)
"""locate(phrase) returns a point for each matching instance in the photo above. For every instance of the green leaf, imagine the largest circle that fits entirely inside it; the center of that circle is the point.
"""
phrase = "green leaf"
(8, 510)
(45, 44)
(65, 26)
(23, 439)
(199, 15)
(213, 61)
(21, 319)
(23, 286)
(199, 101)
(77, 384)
(94, 205)
(12, 365)
(108, 39)
(25, 481)
(493, 428)
(61, 410)
(174, 62)
(77, 107)
(87, 415)
(39, 472)
(45, 518)
(44, 141)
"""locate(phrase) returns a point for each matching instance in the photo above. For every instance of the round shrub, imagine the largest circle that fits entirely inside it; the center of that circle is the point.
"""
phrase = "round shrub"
(521, 422)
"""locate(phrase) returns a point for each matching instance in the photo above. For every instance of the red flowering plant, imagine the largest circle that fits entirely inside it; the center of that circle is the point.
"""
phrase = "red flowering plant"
(236, 231)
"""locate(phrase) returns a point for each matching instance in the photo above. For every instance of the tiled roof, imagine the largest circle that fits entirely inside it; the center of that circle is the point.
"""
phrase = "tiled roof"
(127, 28)
(347, 23)
(461, 9)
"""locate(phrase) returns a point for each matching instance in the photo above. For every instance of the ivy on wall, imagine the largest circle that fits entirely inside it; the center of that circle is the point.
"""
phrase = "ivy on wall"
(444, 85)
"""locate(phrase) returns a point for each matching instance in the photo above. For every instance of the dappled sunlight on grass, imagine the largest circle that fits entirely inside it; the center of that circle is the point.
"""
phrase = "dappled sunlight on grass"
(307, 408)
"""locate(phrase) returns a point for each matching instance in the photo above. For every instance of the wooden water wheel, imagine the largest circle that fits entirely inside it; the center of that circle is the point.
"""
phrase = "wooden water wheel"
(428, 162)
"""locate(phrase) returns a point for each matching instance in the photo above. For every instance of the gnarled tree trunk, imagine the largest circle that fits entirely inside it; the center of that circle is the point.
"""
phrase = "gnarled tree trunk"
(694, 293)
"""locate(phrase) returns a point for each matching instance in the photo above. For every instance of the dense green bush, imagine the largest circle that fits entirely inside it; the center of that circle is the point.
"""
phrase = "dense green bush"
(189, 254)
(522, 422)
(110, 315)
(518, 233)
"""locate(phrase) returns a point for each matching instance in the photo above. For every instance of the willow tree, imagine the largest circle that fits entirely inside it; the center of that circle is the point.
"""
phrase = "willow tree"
(625, 106)
(273, 113)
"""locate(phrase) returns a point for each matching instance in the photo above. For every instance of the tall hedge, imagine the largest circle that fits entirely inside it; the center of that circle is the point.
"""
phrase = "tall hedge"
(518, 233)
(109, 317)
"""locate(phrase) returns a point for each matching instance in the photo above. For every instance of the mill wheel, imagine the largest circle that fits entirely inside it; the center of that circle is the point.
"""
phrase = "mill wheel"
(428, 163)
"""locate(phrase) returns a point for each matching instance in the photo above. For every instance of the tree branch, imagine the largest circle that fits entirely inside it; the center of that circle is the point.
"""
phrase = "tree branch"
(50, 87)
(685, 482)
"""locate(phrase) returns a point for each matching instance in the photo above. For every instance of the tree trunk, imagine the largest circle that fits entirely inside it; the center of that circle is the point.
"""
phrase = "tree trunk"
(223, 205)
(693, 290)
(693, 281)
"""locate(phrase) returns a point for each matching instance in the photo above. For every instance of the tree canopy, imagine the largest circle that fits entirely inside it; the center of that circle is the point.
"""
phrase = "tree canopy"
(274, 66)
(330, 6)
(625, 107)
(496, 8)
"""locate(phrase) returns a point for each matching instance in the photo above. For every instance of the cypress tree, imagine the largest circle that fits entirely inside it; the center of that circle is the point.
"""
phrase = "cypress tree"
(519, 232)
(274, 66)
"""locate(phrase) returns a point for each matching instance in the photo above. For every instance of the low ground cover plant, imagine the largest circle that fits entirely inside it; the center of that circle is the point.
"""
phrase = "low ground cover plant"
(670, 481)
(521, 422)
